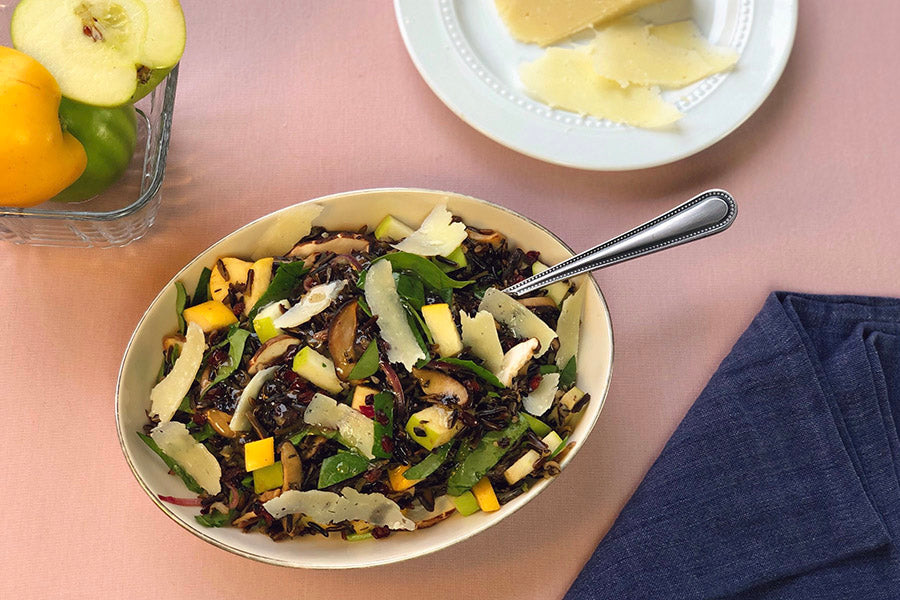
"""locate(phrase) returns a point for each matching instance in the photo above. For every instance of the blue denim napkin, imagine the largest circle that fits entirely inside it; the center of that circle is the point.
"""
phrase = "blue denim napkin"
(783, 479)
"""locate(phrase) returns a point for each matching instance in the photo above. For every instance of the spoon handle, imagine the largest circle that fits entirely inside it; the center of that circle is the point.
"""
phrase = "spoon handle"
(709, 213)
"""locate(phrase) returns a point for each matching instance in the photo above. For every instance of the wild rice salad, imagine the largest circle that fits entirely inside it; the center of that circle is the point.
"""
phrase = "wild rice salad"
(366, 382)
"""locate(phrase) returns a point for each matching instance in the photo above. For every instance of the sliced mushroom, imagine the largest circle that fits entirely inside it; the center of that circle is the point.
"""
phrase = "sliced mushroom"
(435, 382)
(538, 301)
(485, 236)
(219, 421)
(175, 340)
(517, 357)
(245, 520)
(340, 243)
(271, 352)
(269, 495)
(291, 466)
(341, 338)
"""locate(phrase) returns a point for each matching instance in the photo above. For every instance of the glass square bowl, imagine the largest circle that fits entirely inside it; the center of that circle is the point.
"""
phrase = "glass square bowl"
(123, 212)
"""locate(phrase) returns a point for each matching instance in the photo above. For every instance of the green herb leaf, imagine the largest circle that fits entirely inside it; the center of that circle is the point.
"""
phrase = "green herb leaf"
(536, 425)
(340, 467)
(383, 404)
(421, 322)
(180, 302)
(287, 278)
(326, 433)
(480, 460)
(236, 340)
(189, 481)
(411, 289)
(547, 369)
(417, 333)
(477, 369)
(567, 375)
(560, 448)
(364, 306)
(216, 518)
(430, 463)
(426, 270)
(185, 405)
(204, 434)
(201, 294)
(247, 481)
(367, 364)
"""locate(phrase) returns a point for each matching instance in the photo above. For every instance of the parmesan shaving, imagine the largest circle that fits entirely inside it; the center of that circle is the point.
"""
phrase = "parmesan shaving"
(479, 333)
(568, 326)
(317, 299)
(355, 428)
(437, 236)
(239, 420)
(290, 226)
(384, 302)
(539, 401)
(522, 322)
(166, 396)
(328, 507)
(174, 439)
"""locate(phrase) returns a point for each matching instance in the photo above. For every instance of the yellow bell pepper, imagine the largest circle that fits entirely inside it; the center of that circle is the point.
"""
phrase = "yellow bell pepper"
(259, 454)
(37, 159)
(209, 315)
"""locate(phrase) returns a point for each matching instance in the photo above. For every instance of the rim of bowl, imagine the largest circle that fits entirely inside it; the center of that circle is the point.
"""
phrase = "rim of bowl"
(440, 546)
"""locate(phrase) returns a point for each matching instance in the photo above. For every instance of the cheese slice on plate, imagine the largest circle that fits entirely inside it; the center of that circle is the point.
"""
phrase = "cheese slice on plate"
(565, 78)
(546, 21)
(631, 51)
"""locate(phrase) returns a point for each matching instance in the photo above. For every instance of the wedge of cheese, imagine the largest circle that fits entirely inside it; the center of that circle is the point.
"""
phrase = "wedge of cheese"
(565, 78)
(631, 51)
(546, 21)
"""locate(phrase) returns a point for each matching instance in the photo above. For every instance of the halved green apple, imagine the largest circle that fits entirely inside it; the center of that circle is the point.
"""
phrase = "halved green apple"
(102, 52)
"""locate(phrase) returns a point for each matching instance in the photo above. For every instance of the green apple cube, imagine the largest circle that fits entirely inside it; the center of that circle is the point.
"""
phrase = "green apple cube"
(392, 229)
(317, 369)
(525, 465)
(360, 393)
(557, 291)
(465, 503)
(264, 322)
(268, 478)
(430, 427)
(440, 322)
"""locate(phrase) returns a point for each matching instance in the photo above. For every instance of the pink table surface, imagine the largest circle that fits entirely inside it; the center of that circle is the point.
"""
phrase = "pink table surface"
(284, 101)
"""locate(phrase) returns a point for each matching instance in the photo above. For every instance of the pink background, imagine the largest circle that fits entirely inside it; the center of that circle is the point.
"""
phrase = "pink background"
(300, 99)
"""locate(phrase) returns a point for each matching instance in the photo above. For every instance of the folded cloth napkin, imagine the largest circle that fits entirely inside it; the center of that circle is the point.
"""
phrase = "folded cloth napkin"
(783, 479)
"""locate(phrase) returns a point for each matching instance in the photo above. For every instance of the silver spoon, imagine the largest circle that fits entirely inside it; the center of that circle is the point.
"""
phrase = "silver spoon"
(709, 213)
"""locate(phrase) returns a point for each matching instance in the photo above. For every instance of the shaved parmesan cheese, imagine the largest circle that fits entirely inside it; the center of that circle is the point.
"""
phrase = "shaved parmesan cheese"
(565, 78)
(422, 516)
(239, 420)
(630, 51)
(355, 428)
(479, 333)
(174, 439)
(317, 299)
(291, 225)
(546, 21)
(568, 326)
(538, 402)
(166, 396)
(514, 360)
(384, 302)
(437, 236)
(522, 322)
(328, 507)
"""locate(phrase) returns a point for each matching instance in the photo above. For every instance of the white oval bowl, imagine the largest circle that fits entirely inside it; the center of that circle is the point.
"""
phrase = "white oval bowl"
(349, 210)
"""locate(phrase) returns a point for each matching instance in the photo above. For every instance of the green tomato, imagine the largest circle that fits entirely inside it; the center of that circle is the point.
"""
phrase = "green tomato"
(108, 135)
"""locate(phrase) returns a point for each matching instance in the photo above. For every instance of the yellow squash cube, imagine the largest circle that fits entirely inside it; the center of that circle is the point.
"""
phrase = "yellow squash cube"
(259, 454)
(484, 494)
(443, 329)
(398, 481)
(210, 315)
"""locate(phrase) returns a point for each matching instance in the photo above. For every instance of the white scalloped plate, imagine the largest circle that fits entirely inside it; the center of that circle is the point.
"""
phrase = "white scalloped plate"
(464, 52)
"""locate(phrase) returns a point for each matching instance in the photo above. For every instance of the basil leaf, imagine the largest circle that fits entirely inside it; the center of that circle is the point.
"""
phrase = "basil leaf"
(236, 340)
(364, 306)
(477, 369)
(411, 289)
(384, 423)
(567, 375)
(367, 364)
(547, 369)
(430, 463)
(326, 433)
(559, 448)
(201, 293)
(411, 320)
(418, 318)
(340, 467)
(287, 277)
(189, 481)
(204, 434)
(180, 303)
(537, 426)
(480, 460)
(426, 270)
(216, 518)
